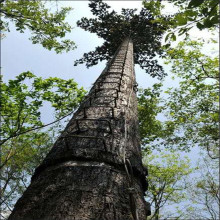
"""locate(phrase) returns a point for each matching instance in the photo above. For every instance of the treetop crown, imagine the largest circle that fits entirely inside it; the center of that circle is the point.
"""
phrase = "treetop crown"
(142, 28)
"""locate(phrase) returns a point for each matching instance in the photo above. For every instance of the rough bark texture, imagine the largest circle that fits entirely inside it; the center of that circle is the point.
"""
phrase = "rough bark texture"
(94, 170)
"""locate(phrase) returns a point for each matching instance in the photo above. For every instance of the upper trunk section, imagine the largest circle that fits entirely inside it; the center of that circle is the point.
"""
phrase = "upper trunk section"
(105, 127)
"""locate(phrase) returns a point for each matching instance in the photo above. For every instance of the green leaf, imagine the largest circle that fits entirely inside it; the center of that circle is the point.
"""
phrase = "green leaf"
(47, 28)
(205, 11)
(215, 20)
(181, 19)
(199, 25)
(167, 37)
(166, 46)
(173, 37)
(207, 23)
(195, 3)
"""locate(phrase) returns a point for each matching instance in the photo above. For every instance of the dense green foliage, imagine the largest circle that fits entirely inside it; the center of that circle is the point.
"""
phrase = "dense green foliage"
(47, 28)
(148, 110)
(20, 104)
(23, 144)
(166, 186)
(202, 14)
(190, 119)
(194, 105)
(191, 109)
(114, 28)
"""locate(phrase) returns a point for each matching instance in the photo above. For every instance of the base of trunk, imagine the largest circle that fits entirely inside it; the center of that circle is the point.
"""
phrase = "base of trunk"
(81, 191)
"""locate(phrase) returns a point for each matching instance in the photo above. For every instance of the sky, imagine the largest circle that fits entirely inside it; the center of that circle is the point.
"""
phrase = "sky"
(18, 54)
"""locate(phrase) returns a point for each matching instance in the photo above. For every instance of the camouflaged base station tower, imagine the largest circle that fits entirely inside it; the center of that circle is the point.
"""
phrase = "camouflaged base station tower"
(94, 170)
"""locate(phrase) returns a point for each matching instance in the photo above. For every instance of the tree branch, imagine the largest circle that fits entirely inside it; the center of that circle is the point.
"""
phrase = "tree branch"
(36, 128)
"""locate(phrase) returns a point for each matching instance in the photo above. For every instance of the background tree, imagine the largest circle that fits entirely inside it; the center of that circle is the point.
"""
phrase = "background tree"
(202, 14)
(149, 107)
(190, 119)
(47, 28)
(191, 108)
(20, 105)
(20, 156)
(203, 191)
(194, 105)
(167, 172)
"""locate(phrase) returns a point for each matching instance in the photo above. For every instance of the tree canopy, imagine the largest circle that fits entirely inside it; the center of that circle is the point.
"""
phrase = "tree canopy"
(20, 104)
(190, 120)
(187, 15)
(191, 108)
(167, 172)
(47, 28)
(114, 28)
(194, 105)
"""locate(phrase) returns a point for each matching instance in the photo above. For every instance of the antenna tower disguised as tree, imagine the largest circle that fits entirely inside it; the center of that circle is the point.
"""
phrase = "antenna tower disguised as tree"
(94, 170)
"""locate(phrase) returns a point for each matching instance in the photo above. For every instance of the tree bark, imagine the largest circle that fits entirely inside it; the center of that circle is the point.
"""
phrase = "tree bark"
(94, 170)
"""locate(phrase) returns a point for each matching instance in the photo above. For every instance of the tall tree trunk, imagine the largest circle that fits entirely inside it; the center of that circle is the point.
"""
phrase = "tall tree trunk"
(94, 170)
